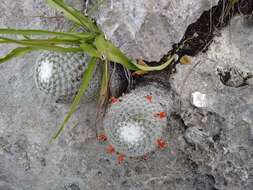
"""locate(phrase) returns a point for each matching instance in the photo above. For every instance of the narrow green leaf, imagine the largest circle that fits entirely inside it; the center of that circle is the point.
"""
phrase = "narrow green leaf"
(85, 82)
(156, 68)
(89, 49)
(26, 37)
(105, 79)
(74, 15)
(18, 52)
(58, 5)
(42, 46)
(71, 35)
(104, 90)
(52, 41)
(83, 35)
(112, 53)
(57, 48)
(74, 27)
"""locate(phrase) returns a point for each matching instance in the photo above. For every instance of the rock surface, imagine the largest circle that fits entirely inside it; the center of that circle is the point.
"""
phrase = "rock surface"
(217, 106)
(210, 147)
(148, 29)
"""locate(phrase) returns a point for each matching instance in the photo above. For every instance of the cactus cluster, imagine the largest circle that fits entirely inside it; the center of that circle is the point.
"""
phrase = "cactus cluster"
(135, 123)
(59, 75)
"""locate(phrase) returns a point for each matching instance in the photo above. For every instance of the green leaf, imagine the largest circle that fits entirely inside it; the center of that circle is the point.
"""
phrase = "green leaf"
(112, 53)
(74, 15)
(156, 68)
(104, 91)
(89, 49)
(83, 35)
(74, 27)
(40, 46)
(67, 35)
(85, 82)
(59, 5)
(57, 48)
(52, 41)
(18, 52)
(105, 80)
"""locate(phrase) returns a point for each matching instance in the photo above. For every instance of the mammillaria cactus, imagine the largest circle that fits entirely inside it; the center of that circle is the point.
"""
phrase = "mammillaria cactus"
(135, 122)
(59, 75)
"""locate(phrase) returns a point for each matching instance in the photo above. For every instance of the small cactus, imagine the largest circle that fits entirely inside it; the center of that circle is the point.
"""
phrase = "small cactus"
(59, 75)
(135, 123)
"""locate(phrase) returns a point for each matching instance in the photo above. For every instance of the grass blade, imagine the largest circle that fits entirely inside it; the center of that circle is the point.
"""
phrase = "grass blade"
(57, 49)
(104, 92)
(112, 53)
(85, 82)
(71, 35)
(17, 52)
(41, 46)
(89, 49)
(74, 15)
(60, 7)
(104, 83)
(52, 41)
(156, 68)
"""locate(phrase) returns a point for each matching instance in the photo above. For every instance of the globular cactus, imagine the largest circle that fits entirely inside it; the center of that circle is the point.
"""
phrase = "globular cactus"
(134, 123)
(59, 75)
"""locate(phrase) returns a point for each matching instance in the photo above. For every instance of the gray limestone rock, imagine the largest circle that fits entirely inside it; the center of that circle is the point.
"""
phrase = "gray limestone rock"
(148, 29)
(76, 160)
(215, 83)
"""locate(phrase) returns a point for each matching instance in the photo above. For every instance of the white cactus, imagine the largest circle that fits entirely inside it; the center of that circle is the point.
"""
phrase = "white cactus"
(59, 75)
(136, 121)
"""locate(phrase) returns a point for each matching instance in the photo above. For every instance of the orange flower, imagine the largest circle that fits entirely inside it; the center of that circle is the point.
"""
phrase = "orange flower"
(161, 143)
(161, 114)
(102, 137)
(149, 98)
(121, 158)
(114, 100)
(110, 149)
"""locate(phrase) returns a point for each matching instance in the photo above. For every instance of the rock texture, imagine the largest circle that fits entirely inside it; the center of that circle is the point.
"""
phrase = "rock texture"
(210, 138)
(148, 29)
(217, 107)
